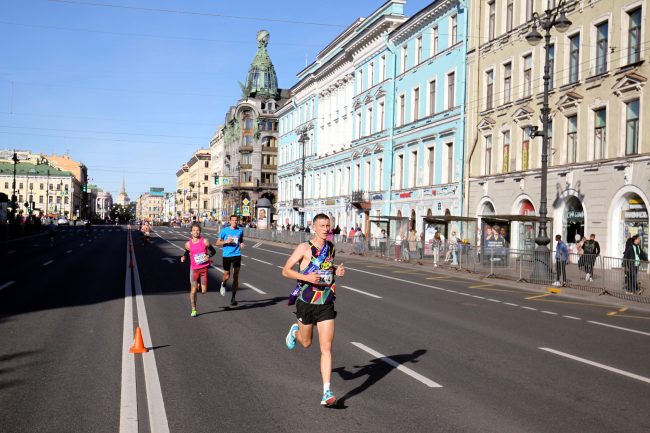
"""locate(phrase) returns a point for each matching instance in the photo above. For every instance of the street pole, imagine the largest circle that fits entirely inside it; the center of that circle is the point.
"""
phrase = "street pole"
(302, 140)
(13, 186)
(542, 270)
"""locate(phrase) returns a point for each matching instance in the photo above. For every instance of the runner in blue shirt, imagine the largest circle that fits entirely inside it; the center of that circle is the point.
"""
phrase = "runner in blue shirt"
(231, 238)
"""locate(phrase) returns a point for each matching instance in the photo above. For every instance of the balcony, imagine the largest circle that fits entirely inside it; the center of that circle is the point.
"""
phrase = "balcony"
(360, 200)
(246, 148)
(297, 203)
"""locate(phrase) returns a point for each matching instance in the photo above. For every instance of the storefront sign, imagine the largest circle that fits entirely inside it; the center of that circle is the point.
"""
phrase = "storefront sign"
(330, 202)
(575, 215)
(635, 215)
(405, 195)
(443, 191)
(378, 197)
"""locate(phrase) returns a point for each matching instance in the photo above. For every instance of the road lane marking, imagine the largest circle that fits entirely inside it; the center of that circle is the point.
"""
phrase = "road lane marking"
(529, 308)
(11, 252)
(597, 364)
(539, 296)
(619, 327)
(254, 288)
(478, 286)
(7, 284)
(68, 252)
(81, 245)
(620, 310)
(417, 376)
(218, 269)
(477, 297)
(128, 393)
(362, 292)
(548, 312)
(48, 262)
(511, 304)
(281, 267)
(261, 261)
(155, 403)
(572, 317)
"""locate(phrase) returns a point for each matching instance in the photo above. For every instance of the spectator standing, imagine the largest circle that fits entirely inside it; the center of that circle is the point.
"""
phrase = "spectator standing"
(381, 237)
(633, 256)
(561, 258)
(436, 245)
(590, 251)
(412, 240)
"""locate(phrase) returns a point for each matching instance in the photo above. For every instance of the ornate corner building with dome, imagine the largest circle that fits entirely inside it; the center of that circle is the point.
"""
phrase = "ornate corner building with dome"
(244, 150)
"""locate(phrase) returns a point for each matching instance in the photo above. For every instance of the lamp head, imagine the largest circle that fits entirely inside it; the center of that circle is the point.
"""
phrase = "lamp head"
(562, 23)
(534, 37)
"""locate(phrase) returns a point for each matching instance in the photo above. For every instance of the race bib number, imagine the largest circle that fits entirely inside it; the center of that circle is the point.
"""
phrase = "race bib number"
(325, 277)
(234, 240)
(199, 259)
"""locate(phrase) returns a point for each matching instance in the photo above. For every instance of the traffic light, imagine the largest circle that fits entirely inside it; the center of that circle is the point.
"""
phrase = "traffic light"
(216, 180)
(237, 211)
(85, 187)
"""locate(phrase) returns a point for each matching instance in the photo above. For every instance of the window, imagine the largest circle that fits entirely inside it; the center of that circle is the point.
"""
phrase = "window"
(506, 151)
(66, 200)
(205, 177)
(431, 161)
(401, 110)
(40, 199)
(381, 116)
(600, 124)
(489, 97)
(42, 186)
(488, 154)
(509, 15)
(551, 65)
(525, 150)
(492, 10)
(414, 169)
(432, 97)
(632, 128)
(369, 121)
(359, 124)
(6, 185)
(400, 170)
(449, 148)
(418, 50)
(528, 75)
(454, 29)
(572, 138)
(405, 57)
(20, 186)
(602, 31)
(451, 90)
(507, 82)
(360, 81)
(434, 42)
(205, 190)
(380, 171)
(382, 65)
(207, 164)
(634, 36)
(530, 8)
(574, 58)
(416, 104)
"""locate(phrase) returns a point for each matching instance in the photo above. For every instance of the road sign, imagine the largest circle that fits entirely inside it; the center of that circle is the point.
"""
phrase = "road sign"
(246, 211)
(246, 202)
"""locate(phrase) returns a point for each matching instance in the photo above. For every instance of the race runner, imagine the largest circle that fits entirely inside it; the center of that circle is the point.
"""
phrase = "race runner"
(199, 250)
(314, 295)
(231, 238)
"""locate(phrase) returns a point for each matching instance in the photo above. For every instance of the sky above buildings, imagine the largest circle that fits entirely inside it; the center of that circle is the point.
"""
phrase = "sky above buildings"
(132, 87)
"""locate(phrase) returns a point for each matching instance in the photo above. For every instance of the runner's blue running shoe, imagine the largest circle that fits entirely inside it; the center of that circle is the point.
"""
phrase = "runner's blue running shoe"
(328, 399)
(291, 337)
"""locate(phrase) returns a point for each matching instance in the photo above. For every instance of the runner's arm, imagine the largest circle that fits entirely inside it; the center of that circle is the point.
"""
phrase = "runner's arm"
(186, 254)
(210, 248)
(296, 257)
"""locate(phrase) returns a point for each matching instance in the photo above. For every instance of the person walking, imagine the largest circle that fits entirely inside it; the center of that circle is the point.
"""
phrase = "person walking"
(436, 245)
(381, 238)
(398, 247)
(199, 251)
(632, 258)
(412, 239)
(231, 238)
(314, 297)
(561, 258)
(590, 252)
(453, 248)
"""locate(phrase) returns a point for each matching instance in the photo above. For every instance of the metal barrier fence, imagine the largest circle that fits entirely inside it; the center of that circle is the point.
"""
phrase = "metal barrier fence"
(604, 275)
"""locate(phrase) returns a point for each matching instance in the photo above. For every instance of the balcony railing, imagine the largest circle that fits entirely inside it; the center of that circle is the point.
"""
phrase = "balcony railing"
(360, 200)
(297, 203)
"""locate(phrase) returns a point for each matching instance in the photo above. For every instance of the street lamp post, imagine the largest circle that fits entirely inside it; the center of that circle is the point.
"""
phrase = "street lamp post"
(14, 199)
(553, 17)
(304, 138)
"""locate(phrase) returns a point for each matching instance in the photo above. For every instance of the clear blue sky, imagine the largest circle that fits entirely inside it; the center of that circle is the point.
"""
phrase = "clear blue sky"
(132, 92)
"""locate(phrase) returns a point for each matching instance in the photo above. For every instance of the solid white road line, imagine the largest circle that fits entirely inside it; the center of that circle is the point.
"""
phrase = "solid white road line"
(417, 376)
(362, 292)
(157, 415)
(128, 393)
(48, 262)
(7, 284)
(619, 327)
(596, 364)
(218, 269)
(254, 288)
(261, 261)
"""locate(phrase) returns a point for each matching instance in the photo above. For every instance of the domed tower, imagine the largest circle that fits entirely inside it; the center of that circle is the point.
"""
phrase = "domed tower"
(262, 80)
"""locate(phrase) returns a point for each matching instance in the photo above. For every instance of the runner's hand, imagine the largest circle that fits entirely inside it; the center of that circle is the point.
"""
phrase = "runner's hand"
(312, 277)
(340, 270)
(182, 259)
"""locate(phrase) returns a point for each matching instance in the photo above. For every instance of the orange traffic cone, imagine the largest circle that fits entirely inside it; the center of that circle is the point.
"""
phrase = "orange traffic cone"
(138, 344)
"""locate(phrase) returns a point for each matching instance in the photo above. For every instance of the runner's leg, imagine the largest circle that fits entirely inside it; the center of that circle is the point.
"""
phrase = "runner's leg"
(235, 281)
(304, 334)
(193, 291)
(325, 339)
(204, 280)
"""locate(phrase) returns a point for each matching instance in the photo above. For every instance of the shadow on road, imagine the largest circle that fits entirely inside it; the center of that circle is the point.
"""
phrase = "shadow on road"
(9, 363)
(374, 371)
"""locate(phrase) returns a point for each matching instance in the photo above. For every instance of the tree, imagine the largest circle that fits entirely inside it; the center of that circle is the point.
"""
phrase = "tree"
(122, 214)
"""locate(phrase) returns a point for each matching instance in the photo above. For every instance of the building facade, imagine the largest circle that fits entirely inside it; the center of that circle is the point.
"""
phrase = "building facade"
(598, 159)
(150, 205)
(193, 186)
(382, 107)
(103, 205)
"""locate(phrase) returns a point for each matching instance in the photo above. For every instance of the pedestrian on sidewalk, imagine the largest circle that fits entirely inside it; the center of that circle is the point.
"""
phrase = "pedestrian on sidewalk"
(453, 248)
(398, 247)
(561, 259)
(314, 297)
(381, 237)
(199, 250)
(632, 258)
(590, 252)
(412, 240)
(436, 245)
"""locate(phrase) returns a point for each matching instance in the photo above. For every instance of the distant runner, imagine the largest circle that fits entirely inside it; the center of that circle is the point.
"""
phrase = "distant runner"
(231, 238)
(146, 233)
(199, 250)
(51, 232)
(314, 297)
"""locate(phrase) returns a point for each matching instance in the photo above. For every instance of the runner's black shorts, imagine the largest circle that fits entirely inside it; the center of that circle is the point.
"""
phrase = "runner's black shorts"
(234, 261)
(310, 314)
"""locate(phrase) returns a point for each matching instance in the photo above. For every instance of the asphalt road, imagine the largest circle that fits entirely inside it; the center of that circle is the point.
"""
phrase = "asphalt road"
(414, 351)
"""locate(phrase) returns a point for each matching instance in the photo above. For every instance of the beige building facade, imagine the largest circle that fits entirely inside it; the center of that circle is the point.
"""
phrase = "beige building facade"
(599, 158)
(193, 186)
(150, 206)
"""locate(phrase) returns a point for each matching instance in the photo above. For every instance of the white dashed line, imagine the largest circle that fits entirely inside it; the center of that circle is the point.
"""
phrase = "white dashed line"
(11, 252)
(493, 300)
(477, 297)
(549, 312)
(511, 304)
(261, 261)
(619, 327)
(68, 252)
(362, 292)
(596, 364)
(572, 318)
(254, 288)
(529, 308)
(48, 262)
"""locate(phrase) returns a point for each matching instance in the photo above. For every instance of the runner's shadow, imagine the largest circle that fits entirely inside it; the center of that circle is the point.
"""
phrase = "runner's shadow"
(374, 371)
(258, 303)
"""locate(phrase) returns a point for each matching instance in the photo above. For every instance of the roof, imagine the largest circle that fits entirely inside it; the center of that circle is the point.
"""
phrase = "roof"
(447, 218)
(27, 169)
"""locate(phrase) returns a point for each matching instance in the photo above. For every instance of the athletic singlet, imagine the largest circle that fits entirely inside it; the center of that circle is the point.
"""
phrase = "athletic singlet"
(199, 258)
(320, 294)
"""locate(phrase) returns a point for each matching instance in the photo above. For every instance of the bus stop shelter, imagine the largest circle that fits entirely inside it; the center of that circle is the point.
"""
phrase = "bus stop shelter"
(463, 227)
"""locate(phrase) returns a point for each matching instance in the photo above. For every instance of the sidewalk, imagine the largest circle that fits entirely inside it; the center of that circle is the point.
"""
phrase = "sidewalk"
(580, 292)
